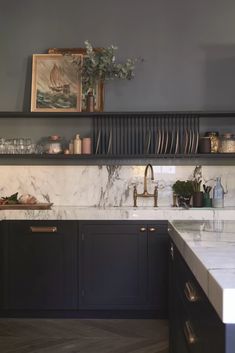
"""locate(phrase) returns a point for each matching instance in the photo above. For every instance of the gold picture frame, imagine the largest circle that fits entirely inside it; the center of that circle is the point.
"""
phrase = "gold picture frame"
(56, 84)
(99, 89)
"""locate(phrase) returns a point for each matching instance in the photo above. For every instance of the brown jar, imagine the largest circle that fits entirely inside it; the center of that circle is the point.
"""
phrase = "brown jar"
(214, 136)
(204, 145)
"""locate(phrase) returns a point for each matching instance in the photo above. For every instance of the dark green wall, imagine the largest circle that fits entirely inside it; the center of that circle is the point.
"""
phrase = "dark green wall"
(188, 48)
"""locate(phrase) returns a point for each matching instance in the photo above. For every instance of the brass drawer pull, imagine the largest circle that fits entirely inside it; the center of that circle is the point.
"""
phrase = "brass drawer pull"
(190, 336)
(143, 229)
(191, 292)
(152, 229)
(172, 251)
(43, 229)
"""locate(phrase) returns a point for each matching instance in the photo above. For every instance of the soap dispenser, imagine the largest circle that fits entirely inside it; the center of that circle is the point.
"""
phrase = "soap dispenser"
(218, 194)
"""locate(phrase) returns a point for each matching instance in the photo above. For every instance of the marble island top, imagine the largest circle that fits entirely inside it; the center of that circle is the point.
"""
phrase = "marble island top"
(208, 248)
(119, 213)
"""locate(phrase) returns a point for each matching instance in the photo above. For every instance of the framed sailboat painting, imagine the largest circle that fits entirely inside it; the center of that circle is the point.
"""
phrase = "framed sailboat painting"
(56, 84)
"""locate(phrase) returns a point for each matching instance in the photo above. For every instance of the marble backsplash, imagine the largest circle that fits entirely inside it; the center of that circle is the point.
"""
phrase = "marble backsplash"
(104, 185)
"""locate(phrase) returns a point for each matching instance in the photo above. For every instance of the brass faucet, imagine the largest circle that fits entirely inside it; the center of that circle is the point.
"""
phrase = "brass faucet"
(145, 192)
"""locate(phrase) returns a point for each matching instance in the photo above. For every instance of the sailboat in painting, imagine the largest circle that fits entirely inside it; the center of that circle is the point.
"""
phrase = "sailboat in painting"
(57, 84)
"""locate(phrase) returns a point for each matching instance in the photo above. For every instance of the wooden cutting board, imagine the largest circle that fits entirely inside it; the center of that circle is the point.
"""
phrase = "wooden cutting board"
(25, 206)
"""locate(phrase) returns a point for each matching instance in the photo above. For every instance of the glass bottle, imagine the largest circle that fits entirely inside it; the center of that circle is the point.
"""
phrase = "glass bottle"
(218, 194)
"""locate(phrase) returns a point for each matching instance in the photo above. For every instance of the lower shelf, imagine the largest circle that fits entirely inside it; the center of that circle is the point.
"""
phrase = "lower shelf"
(163, 159)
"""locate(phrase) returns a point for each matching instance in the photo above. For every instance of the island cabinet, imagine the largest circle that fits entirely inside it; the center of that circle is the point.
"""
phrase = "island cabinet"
(195, 327)
(123, 265)
(40, 267)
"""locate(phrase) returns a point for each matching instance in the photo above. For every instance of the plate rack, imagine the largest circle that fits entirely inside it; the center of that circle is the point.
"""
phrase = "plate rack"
(156, 134)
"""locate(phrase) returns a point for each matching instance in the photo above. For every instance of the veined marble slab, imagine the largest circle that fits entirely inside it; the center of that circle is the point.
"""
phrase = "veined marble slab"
(208, 248)
(105, 186)
(115, 213)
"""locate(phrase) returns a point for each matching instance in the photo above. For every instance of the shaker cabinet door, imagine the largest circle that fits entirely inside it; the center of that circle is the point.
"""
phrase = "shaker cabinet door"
(113, 266)
(41, 265)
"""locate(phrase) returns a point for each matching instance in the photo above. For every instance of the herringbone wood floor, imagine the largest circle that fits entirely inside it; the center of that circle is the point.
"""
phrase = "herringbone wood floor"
(83, 336)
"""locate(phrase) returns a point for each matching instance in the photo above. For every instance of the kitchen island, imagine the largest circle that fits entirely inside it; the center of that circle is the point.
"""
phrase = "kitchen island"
(208, 248)
(202, 286)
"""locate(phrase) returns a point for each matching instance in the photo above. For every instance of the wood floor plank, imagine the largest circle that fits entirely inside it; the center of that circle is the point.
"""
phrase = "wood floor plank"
(83, 336)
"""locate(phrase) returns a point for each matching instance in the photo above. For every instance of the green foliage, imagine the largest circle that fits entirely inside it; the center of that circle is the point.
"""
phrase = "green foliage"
(101, 65)
(183, 188)
(13, 199)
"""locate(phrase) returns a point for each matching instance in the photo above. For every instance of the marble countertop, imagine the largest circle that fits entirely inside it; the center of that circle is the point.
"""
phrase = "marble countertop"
(119, 213)
(208, 248)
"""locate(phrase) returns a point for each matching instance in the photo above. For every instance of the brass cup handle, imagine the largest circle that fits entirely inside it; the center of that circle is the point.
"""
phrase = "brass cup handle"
(152, 229)
(43, 229)
(143, 229)
(172, 251)
(191, 292)
(190, 335)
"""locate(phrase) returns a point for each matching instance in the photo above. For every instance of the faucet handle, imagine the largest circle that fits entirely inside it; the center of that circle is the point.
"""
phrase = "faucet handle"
(135, 196)
(155, 195)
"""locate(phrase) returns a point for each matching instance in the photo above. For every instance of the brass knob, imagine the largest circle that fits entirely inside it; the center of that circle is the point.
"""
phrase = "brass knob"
(152, 229)
(143, 229)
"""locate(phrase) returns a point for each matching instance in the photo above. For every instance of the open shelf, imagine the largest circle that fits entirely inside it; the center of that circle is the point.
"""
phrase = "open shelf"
(200, 114)
(132, 133)
(167, 159)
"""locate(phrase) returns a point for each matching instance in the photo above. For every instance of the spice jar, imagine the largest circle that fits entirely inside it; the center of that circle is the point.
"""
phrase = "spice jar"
(227, 143)
(214, 136)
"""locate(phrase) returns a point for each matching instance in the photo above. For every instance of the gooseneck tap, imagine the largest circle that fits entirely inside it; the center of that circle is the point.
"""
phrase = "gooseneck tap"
(145, 193)
(145, 177)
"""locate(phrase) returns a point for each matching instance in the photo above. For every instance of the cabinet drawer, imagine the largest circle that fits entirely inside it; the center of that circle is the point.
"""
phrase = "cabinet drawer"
(198, 322)
(190, 290)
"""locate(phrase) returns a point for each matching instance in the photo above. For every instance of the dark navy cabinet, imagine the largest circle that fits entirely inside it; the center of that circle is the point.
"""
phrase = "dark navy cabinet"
(40, 265)
(195, 327)
(123, 265)
(81, 268)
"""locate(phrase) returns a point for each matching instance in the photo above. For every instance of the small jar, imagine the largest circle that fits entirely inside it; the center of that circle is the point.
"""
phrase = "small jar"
(214, 136)
(227, 143)
(54, 145)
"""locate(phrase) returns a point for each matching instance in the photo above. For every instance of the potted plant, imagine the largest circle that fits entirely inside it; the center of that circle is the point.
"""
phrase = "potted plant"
(183, 191)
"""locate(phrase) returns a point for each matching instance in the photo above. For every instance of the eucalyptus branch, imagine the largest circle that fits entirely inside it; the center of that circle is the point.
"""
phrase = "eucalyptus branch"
(100, 65)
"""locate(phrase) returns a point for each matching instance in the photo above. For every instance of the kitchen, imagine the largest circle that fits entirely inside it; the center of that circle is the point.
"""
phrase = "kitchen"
(187, 51)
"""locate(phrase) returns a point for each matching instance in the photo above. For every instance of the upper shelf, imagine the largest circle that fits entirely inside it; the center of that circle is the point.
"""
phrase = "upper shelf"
(200, 114)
